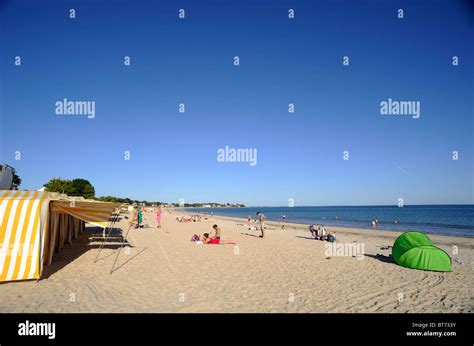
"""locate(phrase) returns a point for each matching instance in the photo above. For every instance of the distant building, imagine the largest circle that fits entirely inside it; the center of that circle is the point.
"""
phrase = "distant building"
(6, 177)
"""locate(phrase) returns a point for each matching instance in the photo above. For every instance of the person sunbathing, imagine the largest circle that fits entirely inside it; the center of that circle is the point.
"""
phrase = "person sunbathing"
(185, 219)
(206, 239)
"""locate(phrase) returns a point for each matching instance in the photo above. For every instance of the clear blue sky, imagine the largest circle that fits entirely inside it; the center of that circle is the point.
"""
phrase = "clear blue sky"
(283, 61)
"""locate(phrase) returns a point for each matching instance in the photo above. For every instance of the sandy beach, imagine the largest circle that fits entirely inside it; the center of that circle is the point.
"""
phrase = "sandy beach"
(163, 271)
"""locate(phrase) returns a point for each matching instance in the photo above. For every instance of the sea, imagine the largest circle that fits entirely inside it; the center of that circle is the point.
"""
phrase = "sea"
(453, 220)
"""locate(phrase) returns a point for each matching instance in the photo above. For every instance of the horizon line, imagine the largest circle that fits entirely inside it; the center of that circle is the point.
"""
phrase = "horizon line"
(325, 206)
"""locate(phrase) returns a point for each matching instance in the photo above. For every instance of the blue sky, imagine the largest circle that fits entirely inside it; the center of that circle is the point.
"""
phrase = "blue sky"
(282, 61)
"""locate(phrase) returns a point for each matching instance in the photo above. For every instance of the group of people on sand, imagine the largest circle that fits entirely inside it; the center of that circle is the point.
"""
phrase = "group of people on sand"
(214, 237)
(137, 219)
(321, 233)
(192, 218)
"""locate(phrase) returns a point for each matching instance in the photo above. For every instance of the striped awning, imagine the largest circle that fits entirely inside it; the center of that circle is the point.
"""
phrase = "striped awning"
(25, 239)
(96, 213)
(23, 218)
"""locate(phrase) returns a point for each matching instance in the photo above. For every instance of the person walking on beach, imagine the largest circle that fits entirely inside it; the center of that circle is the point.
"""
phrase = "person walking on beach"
(261, 219)
(158, 217)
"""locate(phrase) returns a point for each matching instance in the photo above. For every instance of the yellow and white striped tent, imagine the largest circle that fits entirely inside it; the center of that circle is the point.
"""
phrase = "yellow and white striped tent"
(35, 224)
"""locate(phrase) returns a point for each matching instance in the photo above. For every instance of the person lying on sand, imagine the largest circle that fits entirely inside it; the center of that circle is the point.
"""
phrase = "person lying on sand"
(184, 219)
(206, 239)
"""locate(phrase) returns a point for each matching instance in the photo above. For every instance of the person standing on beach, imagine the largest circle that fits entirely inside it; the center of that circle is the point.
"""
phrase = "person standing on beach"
(135, 217)
(158, 217)
(261, 219)
(140, 217)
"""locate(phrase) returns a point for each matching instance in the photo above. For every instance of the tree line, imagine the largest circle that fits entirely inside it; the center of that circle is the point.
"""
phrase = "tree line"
(83, 188)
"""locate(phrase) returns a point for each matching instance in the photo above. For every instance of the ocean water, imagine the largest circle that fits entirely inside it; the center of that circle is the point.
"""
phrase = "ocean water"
(455, 220)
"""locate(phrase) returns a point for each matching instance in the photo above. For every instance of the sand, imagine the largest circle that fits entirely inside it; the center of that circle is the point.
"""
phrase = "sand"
(163, 271)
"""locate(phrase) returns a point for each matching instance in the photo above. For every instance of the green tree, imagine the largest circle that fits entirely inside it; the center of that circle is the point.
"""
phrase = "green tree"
(76, 187)
(58, 185)
(81, 187)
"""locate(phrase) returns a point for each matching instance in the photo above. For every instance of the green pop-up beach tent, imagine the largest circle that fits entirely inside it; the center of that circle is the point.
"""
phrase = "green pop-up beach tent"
(415, 250)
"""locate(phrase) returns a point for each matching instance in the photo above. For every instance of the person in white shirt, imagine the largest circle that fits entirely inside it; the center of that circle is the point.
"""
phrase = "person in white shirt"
(321, 232)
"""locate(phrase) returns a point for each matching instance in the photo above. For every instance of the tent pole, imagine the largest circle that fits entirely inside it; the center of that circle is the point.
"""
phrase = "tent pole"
(114, 219)
(120, 248)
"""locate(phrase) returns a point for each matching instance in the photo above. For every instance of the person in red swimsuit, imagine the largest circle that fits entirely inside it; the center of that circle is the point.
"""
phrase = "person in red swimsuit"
(215, 241)
(206, 239)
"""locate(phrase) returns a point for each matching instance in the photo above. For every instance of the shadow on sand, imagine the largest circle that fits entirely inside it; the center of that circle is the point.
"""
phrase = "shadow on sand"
(383, 258)
(90, 239)
(298, 236)
(251, 235)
